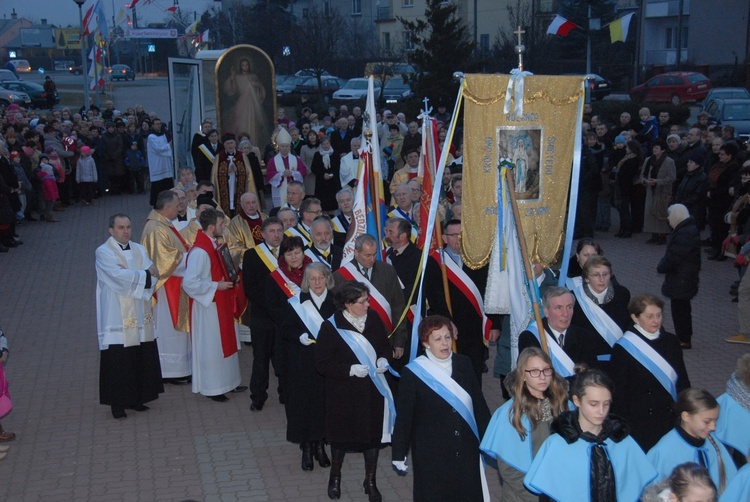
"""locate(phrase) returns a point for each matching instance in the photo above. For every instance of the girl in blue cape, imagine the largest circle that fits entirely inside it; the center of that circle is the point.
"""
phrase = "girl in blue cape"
(732, 426)
(590, 456)
(520, 426)
(692, 440)
(689, 482)
(739, 488)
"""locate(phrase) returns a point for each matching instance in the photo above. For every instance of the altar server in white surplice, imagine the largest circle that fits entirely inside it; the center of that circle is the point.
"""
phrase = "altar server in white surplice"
(216, 366)
(129, 370)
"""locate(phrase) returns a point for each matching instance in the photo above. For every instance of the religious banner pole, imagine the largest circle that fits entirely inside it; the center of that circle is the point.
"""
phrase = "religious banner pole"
(520, 48)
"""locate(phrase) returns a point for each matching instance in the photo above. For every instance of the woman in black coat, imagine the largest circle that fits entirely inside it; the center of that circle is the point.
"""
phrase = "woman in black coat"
(681, 264)
(355, 420)
(691, 192)
(326, 165)
(599, 286)
(720, 179)
(444, 448)
(626, 172)
(305, 395)
(646, 406)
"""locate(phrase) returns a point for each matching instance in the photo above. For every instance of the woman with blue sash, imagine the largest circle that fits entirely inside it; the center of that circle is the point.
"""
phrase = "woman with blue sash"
(442, 415)
(733, 426)
(590, 456)
(352, 355)
(692, 440)
(299, 318)
(520, 426)
(602, 304)
(648, 371)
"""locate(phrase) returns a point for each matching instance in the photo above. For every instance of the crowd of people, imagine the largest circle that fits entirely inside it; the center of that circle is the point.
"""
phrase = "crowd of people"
(227, 267)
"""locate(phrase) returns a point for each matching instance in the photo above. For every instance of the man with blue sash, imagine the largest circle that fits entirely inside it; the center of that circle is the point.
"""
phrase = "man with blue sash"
(569, 345)
(405, 208)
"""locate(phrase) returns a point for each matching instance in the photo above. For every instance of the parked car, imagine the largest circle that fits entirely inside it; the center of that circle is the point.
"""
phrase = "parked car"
(35, 91)
(396, 91)
(330, 85)
(76, 70)
(355, 90)
(120, 72)
(676, 87)
(724, 93)
(21, 65)
(8, 97)
(310, 72)
(8, 76)
(734, 112)
(285, 90)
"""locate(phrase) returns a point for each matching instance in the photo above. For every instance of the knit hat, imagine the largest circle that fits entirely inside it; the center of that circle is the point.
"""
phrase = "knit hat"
(49, 149)
(205, 199)
(86, 150)
(14, 154)
(677, 213)
(697, 157)
(620, 140)
(674, 136)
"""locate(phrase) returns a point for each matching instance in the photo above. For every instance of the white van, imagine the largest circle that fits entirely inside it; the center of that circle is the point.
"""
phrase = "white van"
(21, 65)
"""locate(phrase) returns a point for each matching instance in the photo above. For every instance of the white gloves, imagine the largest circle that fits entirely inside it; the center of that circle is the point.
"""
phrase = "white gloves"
(400, 467)
(358, 370)
(382, 364)
(305, 340)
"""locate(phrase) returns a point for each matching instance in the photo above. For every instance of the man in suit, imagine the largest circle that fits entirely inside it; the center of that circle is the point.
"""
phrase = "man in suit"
(295, 193)
(342, 221)
(581, 345)
(403, 254)
(322, 248)
(341, 138)
(257, 265)
(204, 153)
(381, 277)
(308, 211)
(472, 324)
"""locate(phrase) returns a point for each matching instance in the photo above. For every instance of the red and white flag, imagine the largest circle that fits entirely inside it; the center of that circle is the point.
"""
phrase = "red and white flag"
(561, 26)
(203, 38)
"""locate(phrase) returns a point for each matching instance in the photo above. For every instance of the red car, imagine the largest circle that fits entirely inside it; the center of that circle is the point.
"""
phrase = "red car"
(676, 87)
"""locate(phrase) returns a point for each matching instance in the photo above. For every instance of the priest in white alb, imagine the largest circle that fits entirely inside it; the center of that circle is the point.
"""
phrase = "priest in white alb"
(129, 370)
(283, 168)
(216, 366)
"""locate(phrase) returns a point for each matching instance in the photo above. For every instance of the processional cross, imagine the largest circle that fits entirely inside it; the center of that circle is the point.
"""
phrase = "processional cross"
(520, 48)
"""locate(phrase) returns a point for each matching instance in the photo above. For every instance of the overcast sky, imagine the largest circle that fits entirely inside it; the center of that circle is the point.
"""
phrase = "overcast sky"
(65, 12)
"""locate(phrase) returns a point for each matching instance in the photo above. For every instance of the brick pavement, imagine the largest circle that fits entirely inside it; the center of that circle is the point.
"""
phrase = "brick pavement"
(188, 447)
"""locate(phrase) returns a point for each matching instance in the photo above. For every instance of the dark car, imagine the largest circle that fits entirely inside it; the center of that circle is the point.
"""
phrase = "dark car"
(597, 87)
(724, 93)
(396, 91)
(35, 91)
(121, 72)
(675, 87)
(734, 112)
(8, 97)
(76, 70)
(285, 89)
(330, 85)
(8, 76)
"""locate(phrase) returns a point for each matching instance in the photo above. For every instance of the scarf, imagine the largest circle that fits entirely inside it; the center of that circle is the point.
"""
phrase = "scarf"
(627, 157)
(646, 334)
(444, 364)
(294, 274)
(326, 155)
(598, 299)
(654, 165)
(357, 322)
(715, 173)
(738, 391)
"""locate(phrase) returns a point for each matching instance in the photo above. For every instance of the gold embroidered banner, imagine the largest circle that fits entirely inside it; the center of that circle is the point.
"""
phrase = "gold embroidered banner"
(540, 143)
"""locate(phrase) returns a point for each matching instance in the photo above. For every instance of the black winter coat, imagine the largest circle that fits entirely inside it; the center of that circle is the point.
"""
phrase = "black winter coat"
(639, 398)
(691, 193)
(681, 262)
(444, 450)
(617, 309)
(354, 407)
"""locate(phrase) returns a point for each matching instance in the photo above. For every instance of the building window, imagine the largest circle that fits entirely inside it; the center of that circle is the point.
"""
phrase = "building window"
(356, 6)
(547, 6)
(408, 3)
(484, 43)
(387, 42)
(669, 39)
(407, 41)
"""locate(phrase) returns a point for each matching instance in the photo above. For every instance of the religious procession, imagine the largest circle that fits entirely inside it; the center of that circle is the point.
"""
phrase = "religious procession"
(371, 263)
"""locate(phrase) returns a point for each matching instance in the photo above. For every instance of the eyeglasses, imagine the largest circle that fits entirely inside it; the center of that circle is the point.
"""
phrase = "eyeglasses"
(603, 275)
(319, 211)
(535, 373)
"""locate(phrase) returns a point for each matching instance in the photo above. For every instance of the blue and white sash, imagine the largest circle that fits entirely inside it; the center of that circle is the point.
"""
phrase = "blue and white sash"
(563, 364)
(365, 353)
(460, 400)
(399, 213)
(309, 315)
(651, 360)
(603, 324)
(340, 224)
(318, 257)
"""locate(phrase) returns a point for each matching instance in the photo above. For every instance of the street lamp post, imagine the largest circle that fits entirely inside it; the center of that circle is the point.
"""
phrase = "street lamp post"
(84, 56)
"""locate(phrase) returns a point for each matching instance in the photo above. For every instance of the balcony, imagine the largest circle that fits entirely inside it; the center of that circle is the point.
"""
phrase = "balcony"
(385, 14)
